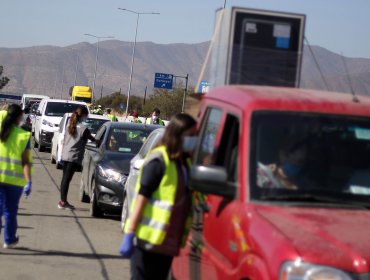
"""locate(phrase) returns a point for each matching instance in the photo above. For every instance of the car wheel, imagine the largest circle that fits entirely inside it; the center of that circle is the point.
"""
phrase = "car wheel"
(35, 145)
(41, 147)
(124, 214)
(95, 210)
(52, 160)
(83, 197)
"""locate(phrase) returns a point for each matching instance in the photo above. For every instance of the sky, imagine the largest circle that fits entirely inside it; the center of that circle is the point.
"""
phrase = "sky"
(338, 25)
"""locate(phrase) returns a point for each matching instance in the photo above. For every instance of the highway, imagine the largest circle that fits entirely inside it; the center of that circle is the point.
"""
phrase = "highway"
(61, 244)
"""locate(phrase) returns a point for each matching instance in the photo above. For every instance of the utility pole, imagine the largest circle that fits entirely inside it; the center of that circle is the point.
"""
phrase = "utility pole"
(185, 90)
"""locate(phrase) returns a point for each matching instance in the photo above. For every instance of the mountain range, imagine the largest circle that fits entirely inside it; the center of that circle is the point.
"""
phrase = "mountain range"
(51, 70)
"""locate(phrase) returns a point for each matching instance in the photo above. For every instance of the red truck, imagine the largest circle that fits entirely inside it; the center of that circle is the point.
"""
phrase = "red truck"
(286, 178)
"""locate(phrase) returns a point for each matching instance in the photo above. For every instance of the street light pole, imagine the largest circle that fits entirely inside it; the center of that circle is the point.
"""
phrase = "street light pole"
(76, 67)
(96, 59)
(133, 52)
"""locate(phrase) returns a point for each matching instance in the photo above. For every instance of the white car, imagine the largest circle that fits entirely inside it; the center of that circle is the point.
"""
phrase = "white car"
(93, 123)
(48, 116)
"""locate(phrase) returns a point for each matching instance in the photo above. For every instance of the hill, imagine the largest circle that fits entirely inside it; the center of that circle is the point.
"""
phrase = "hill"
(51, 70)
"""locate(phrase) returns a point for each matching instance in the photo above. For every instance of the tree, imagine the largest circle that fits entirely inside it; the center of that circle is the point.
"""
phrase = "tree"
(3, 80)
(168, 101)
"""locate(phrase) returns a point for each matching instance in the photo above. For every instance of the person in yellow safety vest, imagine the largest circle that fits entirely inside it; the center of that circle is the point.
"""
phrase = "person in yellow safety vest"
(15, 171)
(112, 117)
(155, 119)
(161, 214)
(135, 118)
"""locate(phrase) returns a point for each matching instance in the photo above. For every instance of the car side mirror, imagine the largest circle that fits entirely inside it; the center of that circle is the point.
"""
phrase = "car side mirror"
(211, 180)
(138, 164)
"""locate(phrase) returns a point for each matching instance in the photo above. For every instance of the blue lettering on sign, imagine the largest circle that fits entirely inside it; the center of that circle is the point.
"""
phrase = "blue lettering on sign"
(282, 43)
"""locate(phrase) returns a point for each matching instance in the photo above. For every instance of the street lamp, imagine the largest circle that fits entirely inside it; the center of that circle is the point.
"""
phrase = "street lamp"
(77, 60)
(96, 58)
(133, 51)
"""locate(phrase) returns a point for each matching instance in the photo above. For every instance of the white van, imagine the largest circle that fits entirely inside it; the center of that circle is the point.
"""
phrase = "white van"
(48, 116)
(29, 99)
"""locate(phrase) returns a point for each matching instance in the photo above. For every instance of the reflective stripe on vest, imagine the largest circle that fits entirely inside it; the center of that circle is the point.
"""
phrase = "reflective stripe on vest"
(11, 151)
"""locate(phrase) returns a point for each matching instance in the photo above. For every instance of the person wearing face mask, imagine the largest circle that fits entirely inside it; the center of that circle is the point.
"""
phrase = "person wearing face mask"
(160, 215)
(15, 171)
(285, 173)
(155, 119)
(74, 143)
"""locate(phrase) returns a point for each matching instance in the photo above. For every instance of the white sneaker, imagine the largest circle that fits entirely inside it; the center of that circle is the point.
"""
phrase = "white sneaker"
(11, 245)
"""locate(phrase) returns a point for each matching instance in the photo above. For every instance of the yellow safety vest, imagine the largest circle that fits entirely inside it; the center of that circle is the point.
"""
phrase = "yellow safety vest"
(3, 114)
(157, 212)
(11, 168)
(113, 118)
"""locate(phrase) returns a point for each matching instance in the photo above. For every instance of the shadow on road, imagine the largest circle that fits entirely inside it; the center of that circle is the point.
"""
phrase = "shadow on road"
(21, 251)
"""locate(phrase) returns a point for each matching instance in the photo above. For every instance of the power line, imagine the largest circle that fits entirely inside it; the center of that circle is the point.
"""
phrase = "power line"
(317, 64)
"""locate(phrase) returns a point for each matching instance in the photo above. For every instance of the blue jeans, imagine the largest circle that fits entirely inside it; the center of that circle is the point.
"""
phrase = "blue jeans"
(9, 201)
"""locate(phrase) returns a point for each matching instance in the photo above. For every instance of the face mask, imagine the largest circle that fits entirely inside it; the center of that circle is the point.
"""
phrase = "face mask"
(189, 143)
(291, 170)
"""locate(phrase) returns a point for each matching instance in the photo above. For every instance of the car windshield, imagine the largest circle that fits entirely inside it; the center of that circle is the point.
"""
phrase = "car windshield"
(58, 109)
(126, 140)
(94, 124)
(298, 156)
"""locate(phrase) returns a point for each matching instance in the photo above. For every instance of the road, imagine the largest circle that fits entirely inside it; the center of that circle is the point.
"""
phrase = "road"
(61, 244)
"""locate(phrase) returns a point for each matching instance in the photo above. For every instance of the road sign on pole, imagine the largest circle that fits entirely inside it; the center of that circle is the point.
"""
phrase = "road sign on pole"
(163, 80)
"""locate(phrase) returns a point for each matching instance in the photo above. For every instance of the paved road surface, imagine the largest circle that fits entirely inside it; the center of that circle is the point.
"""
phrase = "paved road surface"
(61, 244)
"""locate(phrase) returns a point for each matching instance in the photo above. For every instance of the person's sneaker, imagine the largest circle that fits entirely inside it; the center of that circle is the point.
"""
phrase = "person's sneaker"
(11, 245)
(65, 205)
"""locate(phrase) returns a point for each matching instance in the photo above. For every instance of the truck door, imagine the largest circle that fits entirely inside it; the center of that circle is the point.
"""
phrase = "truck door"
(220, 217)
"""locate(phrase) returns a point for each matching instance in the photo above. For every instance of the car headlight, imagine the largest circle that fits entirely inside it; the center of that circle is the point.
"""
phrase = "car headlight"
(111, 175)
(45, 122)
(305, 271)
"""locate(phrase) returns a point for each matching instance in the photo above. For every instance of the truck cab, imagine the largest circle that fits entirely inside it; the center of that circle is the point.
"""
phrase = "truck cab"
(282, 180)
(82, 94)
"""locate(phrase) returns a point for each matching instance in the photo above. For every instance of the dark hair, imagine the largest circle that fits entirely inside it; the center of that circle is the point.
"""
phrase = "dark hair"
(14, 112)
(76, 117)
(173, 136)
(157, 111)
(109, 110)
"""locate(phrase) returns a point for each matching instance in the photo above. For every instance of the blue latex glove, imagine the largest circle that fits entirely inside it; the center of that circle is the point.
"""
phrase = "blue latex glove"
(27, 189)
(127, 246)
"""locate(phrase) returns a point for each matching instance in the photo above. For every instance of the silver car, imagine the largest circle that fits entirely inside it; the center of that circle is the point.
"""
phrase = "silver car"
(135, 164)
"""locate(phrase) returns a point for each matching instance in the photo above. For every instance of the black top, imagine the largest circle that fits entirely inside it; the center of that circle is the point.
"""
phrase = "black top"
(151, 177)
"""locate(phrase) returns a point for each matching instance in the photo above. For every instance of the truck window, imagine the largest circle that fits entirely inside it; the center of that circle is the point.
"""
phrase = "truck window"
(208, 133)
(228, 151)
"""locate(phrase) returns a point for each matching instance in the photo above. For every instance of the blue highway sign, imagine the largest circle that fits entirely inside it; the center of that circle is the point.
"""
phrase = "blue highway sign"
(162, 80)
